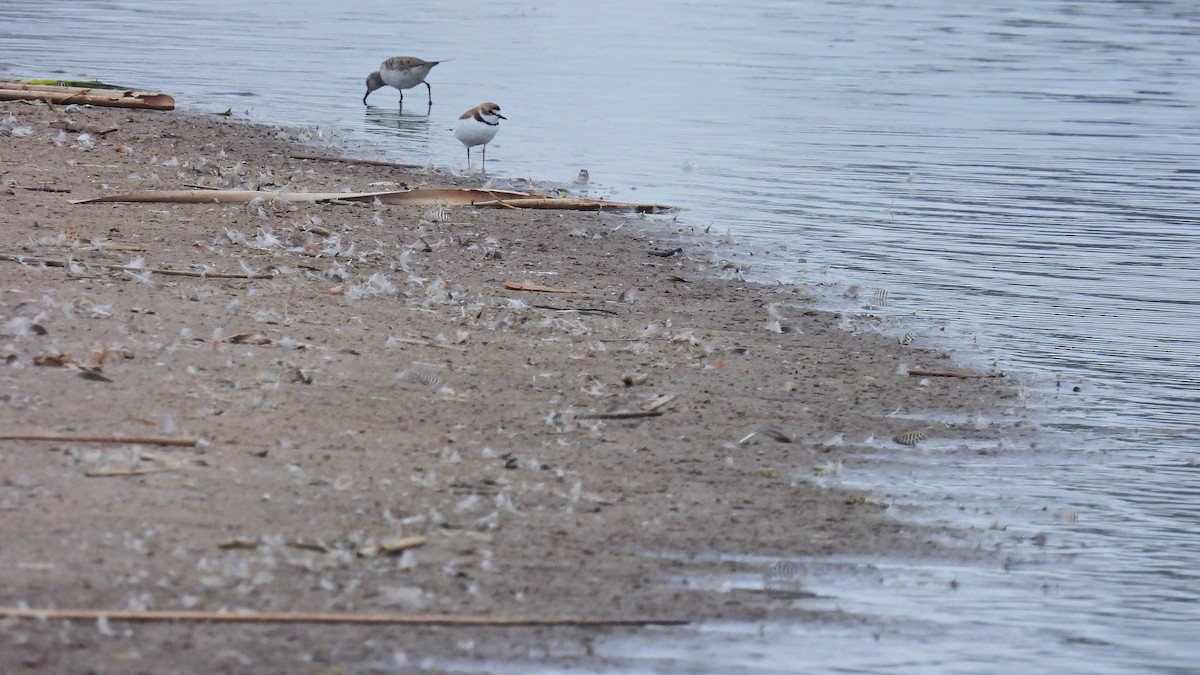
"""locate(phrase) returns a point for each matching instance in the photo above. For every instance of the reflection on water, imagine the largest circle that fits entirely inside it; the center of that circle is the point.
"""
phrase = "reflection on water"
(399, 128)
(1019, 176)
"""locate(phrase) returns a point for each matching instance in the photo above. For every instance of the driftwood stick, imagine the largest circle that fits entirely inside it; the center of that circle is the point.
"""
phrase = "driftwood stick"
(97, 438)
(15, 91)
(324, 617)
(945, 373)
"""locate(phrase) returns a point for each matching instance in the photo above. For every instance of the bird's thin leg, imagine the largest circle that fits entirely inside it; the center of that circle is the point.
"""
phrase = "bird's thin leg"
(430, 90)
(468, 159)
(401, 99)
(483, 166)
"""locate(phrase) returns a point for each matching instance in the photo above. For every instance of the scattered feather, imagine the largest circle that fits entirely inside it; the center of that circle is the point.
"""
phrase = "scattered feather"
(418, 375)
(828, 469)
(378, 284)
(142, 277)
(909, 437)
(774, 435)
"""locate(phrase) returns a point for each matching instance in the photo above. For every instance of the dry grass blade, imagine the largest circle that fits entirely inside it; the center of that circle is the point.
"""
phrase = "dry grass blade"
(94, 438)
(428, 343)
(516, 286)
(574, 204)
(365, 162)
(622, 415)
(322, 617)
(144, 471)
(595, 311)
(451, 196)
(39, 189)
(945, 373)
(27, 260)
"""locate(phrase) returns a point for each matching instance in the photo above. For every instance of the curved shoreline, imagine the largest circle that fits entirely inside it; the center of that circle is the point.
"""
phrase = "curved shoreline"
(397, 388)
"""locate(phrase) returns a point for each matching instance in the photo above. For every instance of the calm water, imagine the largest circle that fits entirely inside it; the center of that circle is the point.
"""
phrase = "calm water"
(1022, 177)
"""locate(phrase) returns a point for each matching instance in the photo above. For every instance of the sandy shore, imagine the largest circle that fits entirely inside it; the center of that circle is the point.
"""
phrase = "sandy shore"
(384, 383)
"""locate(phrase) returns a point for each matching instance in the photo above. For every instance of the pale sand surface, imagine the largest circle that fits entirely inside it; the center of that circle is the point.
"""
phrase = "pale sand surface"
(529, 507)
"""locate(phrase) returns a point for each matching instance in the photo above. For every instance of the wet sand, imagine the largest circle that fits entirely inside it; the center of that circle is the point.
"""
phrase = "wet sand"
(383, 383)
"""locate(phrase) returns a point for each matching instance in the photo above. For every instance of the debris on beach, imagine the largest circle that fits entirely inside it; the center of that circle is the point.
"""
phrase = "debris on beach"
(437, 197)
(102, 95)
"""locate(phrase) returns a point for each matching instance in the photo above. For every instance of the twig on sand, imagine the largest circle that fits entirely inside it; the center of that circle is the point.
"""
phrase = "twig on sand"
(945, 373)
(537, 288)
(427, 343)
(199, 275)
(368, 162)
(581, 310)
(622, 415)
(48, 262)
(113, 473)
(324, 617)
(97, 438)
(39, 189)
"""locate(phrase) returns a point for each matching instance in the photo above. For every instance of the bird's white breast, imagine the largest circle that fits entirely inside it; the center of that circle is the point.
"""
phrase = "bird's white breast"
(471, 131)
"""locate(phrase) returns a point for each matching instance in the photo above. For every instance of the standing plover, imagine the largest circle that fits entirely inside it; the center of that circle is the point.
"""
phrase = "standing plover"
(401, 72)
(478, 126)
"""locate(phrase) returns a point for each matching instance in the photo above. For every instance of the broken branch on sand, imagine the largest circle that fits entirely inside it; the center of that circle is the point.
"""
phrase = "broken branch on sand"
(114, 98)
(517, 286)
(97, 438)
(945, 373)
(323, 617)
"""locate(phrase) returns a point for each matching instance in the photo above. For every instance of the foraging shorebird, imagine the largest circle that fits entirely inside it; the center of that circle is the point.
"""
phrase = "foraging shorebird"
(478, 126)
(401, 72)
